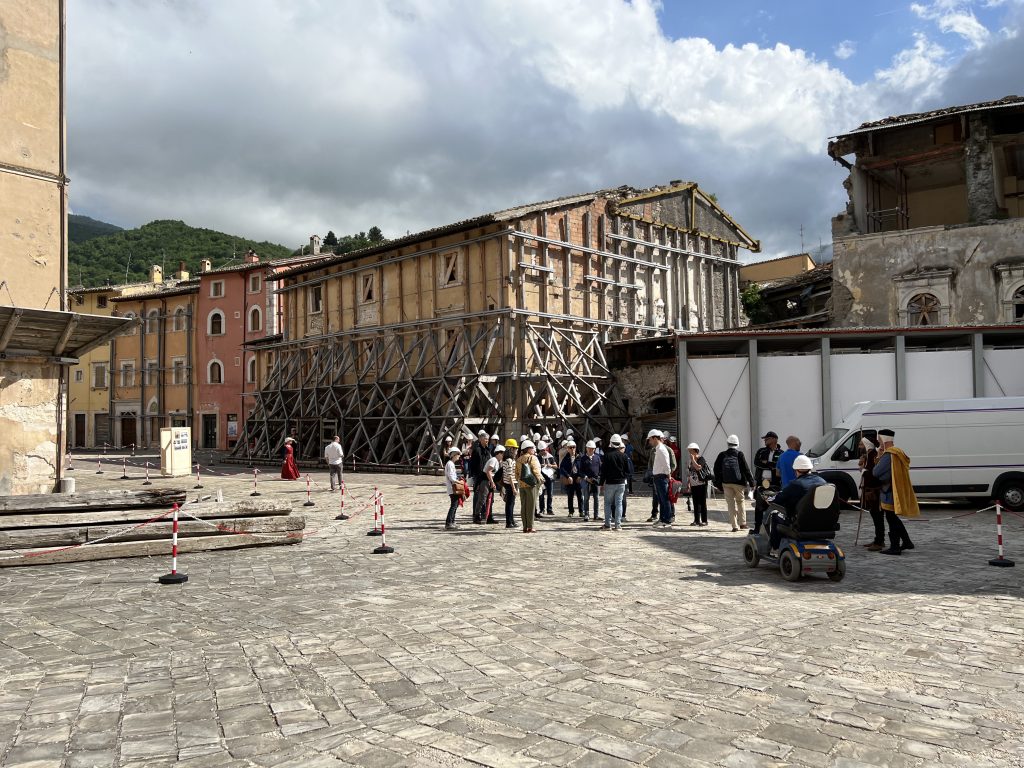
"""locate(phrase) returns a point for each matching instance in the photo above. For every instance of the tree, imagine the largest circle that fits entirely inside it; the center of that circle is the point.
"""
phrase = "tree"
(330, 239)
(375, 235)
(754, 305)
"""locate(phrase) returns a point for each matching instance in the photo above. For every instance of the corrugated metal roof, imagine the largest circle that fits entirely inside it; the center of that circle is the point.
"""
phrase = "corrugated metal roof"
(897, 121)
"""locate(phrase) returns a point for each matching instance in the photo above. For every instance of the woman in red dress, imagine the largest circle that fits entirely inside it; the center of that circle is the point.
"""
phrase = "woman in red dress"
(289, 470)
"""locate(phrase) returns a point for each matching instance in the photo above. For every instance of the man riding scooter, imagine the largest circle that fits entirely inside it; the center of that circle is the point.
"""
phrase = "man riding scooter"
(788, 498)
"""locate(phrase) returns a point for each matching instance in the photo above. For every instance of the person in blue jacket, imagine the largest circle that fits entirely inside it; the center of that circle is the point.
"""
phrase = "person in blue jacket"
(805, 481)
(785, 462)
(569, 474)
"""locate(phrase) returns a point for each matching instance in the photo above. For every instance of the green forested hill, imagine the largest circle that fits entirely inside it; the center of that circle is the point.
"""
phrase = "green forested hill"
(104, 259)
(82, 228)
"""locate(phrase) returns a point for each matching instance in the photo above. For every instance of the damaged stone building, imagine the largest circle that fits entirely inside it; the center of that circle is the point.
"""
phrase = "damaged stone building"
(933, 233)
(498, 322)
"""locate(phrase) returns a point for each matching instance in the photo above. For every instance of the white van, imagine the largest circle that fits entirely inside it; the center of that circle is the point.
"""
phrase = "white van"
(958, 448)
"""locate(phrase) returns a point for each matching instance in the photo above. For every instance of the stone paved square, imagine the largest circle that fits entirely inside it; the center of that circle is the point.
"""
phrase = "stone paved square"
(570, 647)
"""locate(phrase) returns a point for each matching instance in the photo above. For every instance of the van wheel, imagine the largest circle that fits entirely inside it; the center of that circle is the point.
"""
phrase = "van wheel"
(789, 566)
(1011, 493)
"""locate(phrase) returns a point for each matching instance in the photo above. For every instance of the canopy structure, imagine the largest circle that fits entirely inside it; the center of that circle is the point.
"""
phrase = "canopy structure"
(58, 337)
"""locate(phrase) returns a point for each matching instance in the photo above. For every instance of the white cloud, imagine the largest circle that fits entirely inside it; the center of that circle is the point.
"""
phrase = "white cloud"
(276, 118)
(845, 50)
(955, 17)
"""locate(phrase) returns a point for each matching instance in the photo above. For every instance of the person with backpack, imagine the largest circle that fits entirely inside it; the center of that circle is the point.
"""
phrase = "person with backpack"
(732, 475)
(699, 475)
(529, 477)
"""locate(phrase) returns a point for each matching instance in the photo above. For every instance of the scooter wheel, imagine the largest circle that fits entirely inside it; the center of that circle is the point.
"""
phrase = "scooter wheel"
(750, 553)
(839, 572)
(789, 566)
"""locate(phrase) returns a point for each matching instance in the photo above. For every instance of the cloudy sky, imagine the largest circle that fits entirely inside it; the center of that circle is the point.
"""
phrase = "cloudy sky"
(275, 119)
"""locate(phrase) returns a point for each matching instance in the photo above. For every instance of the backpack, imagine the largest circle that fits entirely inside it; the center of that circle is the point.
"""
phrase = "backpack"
(731, 468)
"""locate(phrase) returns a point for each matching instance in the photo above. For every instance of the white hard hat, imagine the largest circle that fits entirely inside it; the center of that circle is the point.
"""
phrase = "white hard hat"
(558, 433)
(615, 441)
(452, 451)
(448, 439)
(570, 443)
(625, 438)
(654, 433)
(536, 435)
(590, 444)
(481, 433)
(499, 448)
(693, 447)
(803, 462)
(527, 444)
(542, 446)
(495, 436)
(597, 439)
(732, 440)
(568, 430)
(523, 437)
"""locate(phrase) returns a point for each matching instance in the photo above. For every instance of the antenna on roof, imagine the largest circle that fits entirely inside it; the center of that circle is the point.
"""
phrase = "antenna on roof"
(802, 249)
(127, 266)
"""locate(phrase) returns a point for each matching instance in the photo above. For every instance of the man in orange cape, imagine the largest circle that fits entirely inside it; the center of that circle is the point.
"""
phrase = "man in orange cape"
(897, 496)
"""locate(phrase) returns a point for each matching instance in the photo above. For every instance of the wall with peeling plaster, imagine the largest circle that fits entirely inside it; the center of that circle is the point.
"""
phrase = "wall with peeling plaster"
(28, 427)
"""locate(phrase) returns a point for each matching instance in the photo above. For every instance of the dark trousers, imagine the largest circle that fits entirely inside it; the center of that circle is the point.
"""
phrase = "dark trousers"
(664, 505)
(510, 506)
(872, 503)
(452, 507)
(898, 536)
(574, 491)
(699, 496)
(480, 493)
(760, 505)
(335, 470)
(545, 497)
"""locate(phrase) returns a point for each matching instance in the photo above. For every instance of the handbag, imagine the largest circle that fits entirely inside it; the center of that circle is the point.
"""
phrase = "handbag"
(526, 476)
(459, 487)
(705, 472)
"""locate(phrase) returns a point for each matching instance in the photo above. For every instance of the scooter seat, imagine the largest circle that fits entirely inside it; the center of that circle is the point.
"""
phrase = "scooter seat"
(792, 533)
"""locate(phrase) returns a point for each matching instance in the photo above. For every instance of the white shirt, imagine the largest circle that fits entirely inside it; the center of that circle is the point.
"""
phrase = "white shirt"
(334, 453)
(662, 460)
(451, 475)
(492, 464)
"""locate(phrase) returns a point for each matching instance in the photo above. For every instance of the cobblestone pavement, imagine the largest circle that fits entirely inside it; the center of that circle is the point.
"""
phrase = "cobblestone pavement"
(488, 647)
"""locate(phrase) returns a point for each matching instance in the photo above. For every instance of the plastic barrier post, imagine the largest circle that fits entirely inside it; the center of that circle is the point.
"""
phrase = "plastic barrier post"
(174, 577)
(147, 482)
(1000, 561)
(99, 469)
(133, 450)
(199, 480)
(71, 462)
(309, 501)
(255, 490)
(341, 510)
(376, 514)
(383, 549)
(124, 468)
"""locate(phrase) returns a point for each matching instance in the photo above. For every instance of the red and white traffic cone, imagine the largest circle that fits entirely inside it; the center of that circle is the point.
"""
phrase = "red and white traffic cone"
(376, 514)
(174, 577)
(1000, 561)
(124, 468)
(147, 481)
(383, 549)
(309, 501)
(341, 514)
(255, 489)
(199, 480)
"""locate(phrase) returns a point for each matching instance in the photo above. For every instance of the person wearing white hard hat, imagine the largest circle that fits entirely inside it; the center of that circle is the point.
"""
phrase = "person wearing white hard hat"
(548, 468)
(661, 471)
(483, 484)
(628, 450)
(453, 486)
(492, 468)
(698, 473)
(614, 469)
(805, 482)
(732, 475)
(569, 473)
(529, 476)
(589, 471)
(495, 441)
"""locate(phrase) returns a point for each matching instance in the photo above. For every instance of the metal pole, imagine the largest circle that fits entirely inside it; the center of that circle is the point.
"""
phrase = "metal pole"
(174, 577)
(1000, 561)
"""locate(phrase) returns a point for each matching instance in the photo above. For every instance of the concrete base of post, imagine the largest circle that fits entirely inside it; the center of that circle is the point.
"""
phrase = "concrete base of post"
(373, 533)
(310, 503)
(1000, 562)
(384, 549)
(342, 516)
(173, 578)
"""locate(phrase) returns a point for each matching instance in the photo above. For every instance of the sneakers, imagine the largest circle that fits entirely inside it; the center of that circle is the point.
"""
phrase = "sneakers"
(734, 529)
(618, 527)
(652, 518)
(605, 528)
(510, 525)
(451, 527)
(694, 523)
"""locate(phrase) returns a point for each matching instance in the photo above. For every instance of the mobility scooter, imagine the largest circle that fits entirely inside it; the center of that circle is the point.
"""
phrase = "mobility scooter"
(807, 545)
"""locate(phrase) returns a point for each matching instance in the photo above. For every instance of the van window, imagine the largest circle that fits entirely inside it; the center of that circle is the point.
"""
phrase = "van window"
(827, 441)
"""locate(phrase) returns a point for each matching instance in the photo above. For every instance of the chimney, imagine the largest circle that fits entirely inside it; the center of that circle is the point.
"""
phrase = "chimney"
(182, 272)
(156, 274)
(314, 244)
(204, 265)
(251, 257)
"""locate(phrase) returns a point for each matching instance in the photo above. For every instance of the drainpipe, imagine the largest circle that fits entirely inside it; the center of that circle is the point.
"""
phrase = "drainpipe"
(188, 371)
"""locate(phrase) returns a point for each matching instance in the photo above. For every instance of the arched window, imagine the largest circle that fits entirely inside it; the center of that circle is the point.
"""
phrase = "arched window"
(1018, 305)
(215, 372)
(152, 321)
(152, 409)
(250, 370)
(179, 319)
(133, 327)
(255, 319)
(923, 309)
(215, 323)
